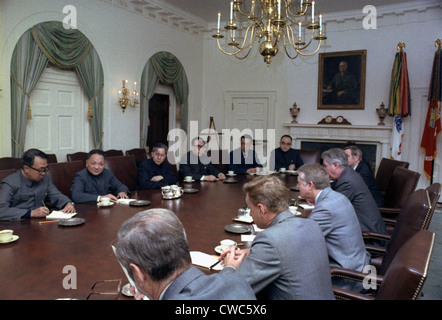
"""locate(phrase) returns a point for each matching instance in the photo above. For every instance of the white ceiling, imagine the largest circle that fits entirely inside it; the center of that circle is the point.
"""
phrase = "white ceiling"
(207, 10)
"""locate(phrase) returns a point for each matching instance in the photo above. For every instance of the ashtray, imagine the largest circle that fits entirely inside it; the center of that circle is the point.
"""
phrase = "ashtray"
(71, 222)
(139, 203)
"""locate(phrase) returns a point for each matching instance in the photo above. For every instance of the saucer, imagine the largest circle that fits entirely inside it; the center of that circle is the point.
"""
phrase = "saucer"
(188, 181)
(71, 222)
(230, 181)
(190, 190)
(139, 203)
(231, 175)
(13, 238)
(237, 228)
(105, 205)
(219, 249)
(125, 290)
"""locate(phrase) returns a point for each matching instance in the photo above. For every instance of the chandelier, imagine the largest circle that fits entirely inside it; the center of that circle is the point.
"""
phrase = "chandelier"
(271, 23)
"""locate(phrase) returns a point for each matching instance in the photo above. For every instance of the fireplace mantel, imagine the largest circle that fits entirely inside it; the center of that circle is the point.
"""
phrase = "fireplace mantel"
(378, 135)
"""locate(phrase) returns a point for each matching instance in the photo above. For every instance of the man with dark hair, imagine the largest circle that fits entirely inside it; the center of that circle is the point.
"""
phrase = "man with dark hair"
(152, 247)
(23, 194)
(196, 163)
(288, 260)
(356, 161)
(155, 172)
(96, 181)
(285, 156)
(244, 160)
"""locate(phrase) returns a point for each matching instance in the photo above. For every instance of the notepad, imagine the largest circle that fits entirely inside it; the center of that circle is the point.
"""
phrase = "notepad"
(306, 206)
(58, 215)
(204, 260)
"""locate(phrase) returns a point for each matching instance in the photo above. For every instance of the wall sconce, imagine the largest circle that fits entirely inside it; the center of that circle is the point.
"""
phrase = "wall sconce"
(125, 96)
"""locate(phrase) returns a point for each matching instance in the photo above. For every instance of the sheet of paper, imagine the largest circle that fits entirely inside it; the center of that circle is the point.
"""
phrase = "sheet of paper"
(204, 260)
(58, 215)
(306, 206)
(247, 237)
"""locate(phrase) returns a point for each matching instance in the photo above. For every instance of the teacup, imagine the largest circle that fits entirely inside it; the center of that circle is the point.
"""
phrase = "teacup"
(105, 201)
(231, 173)
(227, 244)
(6, 235)
(188, 178)
(282, 170)
(166, 191)
(177, 191)
(293, 209)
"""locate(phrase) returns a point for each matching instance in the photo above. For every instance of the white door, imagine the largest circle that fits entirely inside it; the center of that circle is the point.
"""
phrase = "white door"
(252, 113)
(59, 122)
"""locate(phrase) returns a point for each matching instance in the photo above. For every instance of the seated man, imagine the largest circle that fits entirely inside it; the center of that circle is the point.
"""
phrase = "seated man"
(285, 156)
(356, 162)
(96, 181)
(350, 183)
(288, 260)
(196, 163)
(23, 194)
(170, 277)
(155, 172)
(337, 218)
(244, 160)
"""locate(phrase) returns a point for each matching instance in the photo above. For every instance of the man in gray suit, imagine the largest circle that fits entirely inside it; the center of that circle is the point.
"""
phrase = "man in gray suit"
(23, 194)
(142, 241)
(288, 260)
(350, 183)
(337, 218)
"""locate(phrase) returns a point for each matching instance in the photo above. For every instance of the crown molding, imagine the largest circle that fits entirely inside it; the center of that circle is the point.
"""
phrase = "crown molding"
(163, 13)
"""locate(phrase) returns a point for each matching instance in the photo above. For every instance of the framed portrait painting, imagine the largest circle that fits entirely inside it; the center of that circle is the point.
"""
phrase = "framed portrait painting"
(341, 80)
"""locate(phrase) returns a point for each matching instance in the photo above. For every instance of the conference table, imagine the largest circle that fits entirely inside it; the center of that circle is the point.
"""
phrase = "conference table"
(51, 261)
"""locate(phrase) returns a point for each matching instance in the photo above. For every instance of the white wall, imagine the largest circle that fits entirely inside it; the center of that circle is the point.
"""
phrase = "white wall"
(124, 41)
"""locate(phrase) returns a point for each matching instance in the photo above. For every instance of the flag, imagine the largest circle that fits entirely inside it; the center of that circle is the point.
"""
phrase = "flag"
(432, 128)
(399, 102)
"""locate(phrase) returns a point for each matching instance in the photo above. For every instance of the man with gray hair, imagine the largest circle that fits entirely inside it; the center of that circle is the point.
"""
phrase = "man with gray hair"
(337, 218)
(288, 260)
(152, 246)
(350, 183)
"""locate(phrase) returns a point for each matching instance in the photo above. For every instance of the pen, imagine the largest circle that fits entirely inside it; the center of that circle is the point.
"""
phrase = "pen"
(43, 203)
(215, 264)
(50, 221)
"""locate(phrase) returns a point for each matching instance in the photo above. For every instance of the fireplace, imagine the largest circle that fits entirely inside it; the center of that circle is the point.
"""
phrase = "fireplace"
(374, 141)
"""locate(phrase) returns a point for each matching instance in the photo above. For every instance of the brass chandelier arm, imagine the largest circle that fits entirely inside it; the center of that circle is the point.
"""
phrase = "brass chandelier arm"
(243, 45)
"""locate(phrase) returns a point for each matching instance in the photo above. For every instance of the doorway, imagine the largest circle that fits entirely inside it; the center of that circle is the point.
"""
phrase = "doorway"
(158, 120)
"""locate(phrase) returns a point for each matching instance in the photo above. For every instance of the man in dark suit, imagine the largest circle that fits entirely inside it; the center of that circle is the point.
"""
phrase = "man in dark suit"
(337, 218)
(96, 181)
(244, 160)
(23, 194)
(350, 183)
(155, 172)
(285, 156)
(288, 260)
(170, 276)
(355, 161)
(196, 163)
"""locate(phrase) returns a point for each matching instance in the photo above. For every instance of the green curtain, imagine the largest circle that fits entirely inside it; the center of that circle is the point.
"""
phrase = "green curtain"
(67, 49)
(163, 67)
(27, 65)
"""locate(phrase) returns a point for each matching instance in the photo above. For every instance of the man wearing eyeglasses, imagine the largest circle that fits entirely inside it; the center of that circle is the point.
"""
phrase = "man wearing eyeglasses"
(285, 156)
(24, 193)
(197, 164)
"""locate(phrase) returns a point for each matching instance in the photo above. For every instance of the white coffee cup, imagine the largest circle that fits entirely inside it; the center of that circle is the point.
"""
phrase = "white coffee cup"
(292, 209)
(282, 170)
(188, 178)
(6, 235)
(227, 244)
(231, 172)
(105, 201)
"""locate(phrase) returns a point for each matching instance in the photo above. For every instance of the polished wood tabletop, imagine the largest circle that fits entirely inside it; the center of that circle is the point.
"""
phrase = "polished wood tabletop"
(48, 260)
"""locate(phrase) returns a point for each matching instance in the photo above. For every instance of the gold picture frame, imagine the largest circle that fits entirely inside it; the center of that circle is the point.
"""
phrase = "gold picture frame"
(342, 90)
